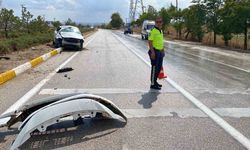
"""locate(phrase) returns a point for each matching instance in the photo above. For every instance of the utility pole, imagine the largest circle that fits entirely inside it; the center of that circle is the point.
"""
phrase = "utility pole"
(177, 5)
(178, 20)
(247, 35)
(135, 7)
(1, 4)
(131, 11)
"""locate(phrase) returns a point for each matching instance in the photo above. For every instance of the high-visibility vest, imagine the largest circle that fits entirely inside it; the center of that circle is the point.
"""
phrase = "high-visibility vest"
(156, 36)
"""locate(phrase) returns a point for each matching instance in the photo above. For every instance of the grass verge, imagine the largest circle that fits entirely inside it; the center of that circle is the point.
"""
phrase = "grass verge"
(24, 41)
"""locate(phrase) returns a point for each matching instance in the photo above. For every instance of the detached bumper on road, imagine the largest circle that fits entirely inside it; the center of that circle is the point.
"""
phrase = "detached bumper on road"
(42, 114)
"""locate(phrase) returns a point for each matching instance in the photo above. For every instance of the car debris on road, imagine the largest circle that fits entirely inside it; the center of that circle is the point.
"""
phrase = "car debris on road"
(67, 69)
(4, 57)
(37, 116)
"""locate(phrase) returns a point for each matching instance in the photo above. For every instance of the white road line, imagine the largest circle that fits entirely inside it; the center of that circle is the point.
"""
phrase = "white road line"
(214, 61)
(233, 112)
(185, 112)
(102, 91)
(37, 87)
(216, 118)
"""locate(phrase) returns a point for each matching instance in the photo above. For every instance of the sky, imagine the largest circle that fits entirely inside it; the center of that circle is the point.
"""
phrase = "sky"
(82, 11)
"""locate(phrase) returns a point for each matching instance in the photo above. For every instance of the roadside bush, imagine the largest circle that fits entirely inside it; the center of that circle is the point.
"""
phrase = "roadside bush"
(24, 41)
(3, 48)
(84, 30)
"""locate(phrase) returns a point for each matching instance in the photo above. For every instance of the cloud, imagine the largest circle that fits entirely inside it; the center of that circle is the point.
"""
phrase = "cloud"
(67, 3)
(72, 2)
(50, 8)
(34, 1)
(82, 10)
(166, 3)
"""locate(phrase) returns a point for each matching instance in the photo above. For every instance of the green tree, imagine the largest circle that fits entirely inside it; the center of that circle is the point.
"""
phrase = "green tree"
(234, 18)
(171, 11)
(166, 18)
(56, 24)
(38, 25)
(7, 20)
(226, 24)
(194, 21)
(108, 26)
(26, 19)
(212, 9)
(178, 22)
(145, 16)
(70, 22)
(133, 23)
(242, 20)
(176, 19)
(116, 20)
(151, 14)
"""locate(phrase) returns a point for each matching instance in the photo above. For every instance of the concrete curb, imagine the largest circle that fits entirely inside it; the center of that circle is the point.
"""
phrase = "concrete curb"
(10, 74)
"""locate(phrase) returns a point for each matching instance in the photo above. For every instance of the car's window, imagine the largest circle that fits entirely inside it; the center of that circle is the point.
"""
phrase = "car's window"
(150, 26)
(69, 29)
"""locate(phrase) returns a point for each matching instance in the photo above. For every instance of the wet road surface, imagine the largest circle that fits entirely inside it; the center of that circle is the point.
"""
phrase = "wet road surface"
(157, 120)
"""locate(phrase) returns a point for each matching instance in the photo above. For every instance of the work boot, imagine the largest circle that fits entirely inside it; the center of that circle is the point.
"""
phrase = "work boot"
(155, 87)
(158, 84)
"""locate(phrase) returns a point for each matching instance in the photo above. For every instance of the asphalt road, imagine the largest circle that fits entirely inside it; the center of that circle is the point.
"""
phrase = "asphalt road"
(157, 120)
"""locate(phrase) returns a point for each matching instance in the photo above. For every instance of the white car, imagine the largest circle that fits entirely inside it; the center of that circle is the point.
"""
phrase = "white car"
(146, 28)
(68, 36)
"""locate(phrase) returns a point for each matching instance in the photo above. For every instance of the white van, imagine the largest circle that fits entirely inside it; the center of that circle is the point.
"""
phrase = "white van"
(146, 28)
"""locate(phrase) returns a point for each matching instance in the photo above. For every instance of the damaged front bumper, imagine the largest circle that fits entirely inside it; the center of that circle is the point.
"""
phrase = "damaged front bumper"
(43, 113)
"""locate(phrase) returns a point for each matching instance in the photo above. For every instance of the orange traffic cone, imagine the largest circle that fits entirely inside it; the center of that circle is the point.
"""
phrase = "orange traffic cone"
(161, 75)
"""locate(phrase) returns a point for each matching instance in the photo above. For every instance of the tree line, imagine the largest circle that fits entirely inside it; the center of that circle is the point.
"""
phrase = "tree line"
(220, 17)
(17, 33)
(115, 23)
(14, 26)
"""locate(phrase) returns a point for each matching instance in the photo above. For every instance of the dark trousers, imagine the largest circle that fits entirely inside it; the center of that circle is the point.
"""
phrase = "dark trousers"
(156, 65)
